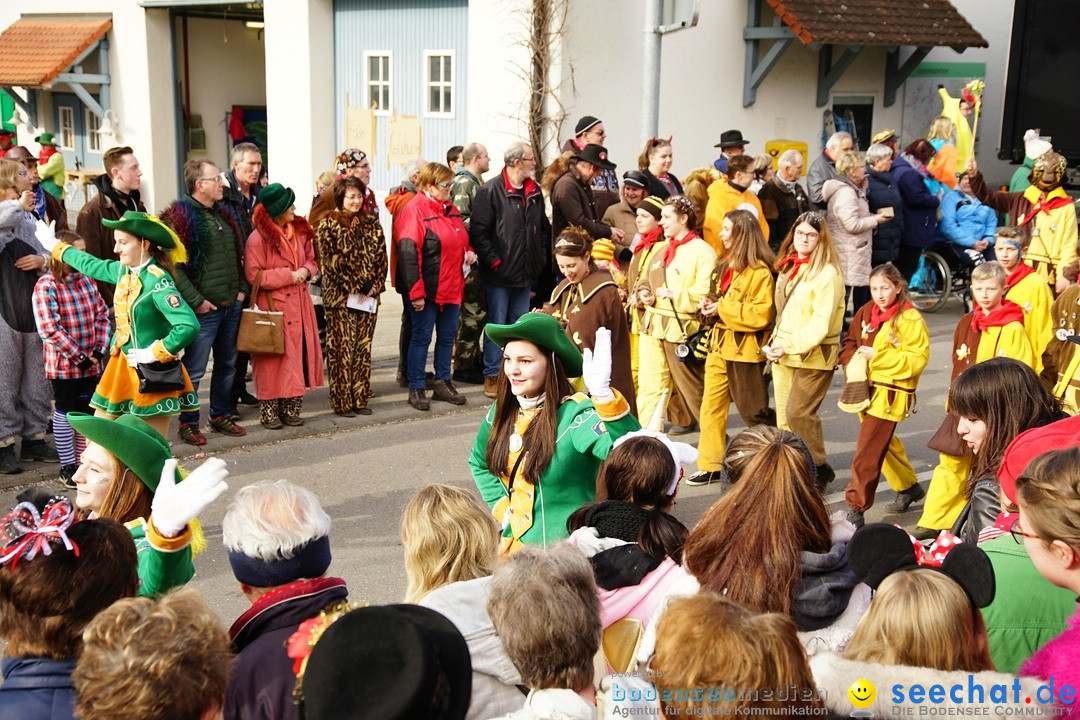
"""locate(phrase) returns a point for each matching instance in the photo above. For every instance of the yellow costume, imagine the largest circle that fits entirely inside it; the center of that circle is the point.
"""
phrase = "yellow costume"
(1061, 358)
(1033, 295)
(723, 198)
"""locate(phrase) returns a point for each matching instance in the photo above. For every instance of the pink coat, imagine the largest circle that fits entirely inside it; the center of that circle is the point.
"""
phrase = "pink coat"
(282, 376)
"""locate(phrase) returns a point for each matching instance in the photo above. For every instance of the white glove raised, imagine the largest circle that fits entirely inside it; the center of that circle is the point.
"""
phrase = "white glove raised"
(176, 504)
(140, 355)
(46, 235)
(596, 367)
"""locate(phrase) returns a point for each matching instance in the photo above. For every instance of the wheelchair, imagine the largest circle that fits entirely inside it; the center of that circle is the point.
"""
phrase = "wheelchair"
(944, 271)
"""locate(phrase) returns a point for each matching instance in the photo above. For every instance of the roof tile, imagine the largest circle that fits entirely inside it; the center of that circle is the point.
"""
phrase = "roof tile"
(924, 23)
(34, 52)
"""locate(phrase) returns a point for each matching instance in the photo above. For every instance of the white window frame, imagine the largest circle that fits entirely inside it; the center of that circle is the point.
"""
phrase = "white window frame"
(65, 126)
(92, 124)
(368, 54)
(451, 83)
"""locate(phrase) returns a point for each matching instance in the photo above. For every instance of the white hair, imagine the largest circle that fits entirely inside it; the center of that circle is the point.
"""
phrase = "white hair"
(269, 521)
(836, 139)
(877, 151)
(413, 166)
(789, 158)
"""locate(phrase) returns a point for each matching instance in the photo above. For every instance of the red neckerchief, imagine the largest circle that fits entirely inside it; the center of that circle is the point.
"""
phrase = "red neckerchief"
(647, 241)
(725, 281)
(1009, 311)
(879, 317)
(1045, 205)
(673, 245)
(796, 262)
(1022, 271)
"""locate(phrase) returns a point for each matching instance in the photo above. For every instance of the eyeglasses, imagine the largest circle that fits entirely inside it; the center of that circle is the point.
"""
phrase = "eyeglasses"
(528, 159)
(214, 179)
(804, 234)
(1017, 533)
(443, 184)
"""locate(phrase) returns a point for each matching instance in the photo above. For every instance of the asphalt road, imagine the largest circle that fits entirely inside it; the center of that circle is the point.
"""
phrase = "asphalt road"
(365, 469)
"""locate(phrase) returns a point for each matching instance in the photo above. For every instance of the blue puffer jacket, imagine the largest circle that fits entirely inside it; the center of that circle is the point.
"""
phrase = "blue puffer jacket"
(920, 205)
(965, 220)
(37, 688)
(883, 192)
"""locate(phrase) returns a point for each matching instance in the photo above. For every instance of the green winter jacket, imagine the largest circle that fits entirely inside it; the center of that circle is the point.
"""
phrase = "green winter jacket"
(1027, 610)
(214, 270)
(586, 435)
(1021, 179)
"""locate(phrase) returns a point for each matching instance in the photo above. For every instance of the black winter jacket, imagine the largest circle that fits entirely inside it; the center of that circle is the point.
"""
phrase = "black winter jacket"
(883, 192)
(510, 233)
(920, 205)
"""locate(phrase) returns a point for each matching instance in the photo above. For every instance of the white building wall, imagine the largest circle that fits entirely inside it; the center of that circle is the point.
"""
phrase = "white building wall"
(299, 93)
(227, 66)
(701, 84)
(141, 71)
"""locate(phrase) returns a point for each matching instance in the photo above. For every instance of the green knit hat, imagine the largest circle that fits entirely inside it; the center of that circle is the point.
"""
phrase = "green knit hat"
(542, 330)
(131, 439)
(276, 198)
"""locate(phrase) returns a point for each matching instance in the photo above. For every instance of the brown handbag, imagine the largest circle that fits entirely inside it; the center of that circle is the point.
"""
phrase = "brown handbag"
(262, 332)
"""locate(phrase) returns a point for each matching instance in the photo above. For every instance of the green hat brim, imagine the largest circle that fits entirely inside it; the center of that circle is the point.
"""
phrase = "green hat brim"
(131, 439)
(145, 226)
(541, 330)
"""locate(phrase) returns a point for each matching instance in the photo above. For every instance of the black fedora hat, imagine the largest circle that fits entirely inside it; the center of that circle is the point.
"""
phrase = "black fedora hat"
(391, 662)
(731, 138)
(595, 155)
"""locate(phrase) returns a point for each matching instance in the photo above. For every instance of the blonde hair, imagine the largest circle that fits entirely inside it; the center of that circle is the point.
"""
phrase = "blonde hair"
(991, 270)
(849, 161)
(696, 188)
(921, 618)
(9, 173)
(941, 128)
(714, 653)
(824, 254)
(449, 535)
(1049, 491)
(144, 659)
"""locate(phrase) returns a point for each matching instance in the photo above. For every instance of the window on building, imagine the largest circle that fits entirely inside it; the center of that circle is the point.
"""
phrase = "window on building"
(378, 82)
(439, 66)
(93, 137)
(66, 132)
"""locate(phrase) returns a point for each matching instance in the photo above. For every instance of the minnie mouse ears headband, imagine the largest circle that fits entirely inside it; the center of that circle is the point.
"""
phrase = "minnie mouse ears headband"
(879, 550)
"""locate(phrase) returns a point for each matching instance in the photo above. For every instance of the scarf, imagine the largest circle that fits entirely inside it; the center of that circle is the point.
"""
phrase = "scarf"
(784, 184)
(981, 321)
(530, 403)
(1022, 271)
(647, 241)
(725, 280)
(674, 245)
(796, 262)
(879, 317)
(1044, 204)
(914, 162)
(740, 188)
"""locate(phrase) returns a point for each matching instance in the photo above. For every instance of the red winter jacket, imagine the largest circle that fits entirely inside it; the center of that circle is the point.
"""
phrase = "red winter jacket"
(432, 241)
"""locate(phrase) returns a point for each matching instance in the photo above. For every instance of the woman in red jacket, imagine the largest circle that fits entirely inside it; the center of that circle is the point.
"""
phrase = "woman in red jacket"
(281, 248)
(433, 251)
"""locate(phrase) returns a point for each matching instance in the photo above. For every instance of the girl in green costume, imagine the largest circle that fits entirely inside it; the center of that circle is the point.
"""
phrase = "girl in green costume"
(534, 466)
(153, 323)
(128, 474)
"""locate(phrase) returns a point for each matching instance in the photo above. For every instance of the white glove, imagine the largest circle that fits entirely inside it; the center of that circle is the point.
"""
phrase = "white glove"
(143, 355)
(46, 235)
(596, 367)
(176, 504)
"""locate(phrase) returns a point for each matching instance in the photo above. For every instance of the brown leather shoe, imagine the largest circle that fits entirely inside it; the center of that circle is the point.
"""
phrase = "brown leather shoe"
(444, 390)
(418, 399)
(491, 382)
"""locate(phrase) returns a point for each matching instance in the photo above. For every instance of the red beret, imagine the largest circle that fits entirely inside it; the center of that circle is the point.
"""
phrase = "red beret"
(1032, 443)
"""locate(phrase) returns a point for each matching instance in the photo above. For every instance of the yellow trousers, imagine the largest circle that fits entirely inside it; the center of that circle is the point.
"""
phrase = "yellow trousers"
(945, 498)
(727, 382)
(634, 359)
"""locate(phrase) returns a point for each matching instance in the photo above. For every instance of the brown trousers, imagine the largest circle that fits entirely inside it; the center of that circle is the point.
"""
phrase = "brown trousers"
(799, 394)
(877, 452)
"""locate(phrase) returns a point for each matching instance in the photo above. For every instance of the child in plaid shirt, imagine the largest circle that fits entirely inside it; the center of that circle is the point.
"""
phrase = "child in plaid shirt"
(73, 322)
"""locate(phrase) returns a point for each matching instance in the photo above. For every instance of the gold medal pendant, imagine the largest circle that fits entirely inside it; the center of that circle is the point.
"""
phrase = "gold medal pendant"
(516, 443)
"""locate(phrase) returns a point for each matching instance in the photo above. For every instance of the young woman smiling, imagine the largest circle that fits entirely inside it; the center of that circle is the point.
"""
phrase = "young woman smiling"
(538, 451)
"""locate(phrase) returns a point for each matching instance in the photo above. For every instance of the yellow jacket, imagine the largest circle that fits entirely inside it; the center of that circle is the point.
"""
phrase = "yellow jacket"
(1053, 247)
(1007, 341)
(723, 199)
(1034, 296)
(901, 352)
(1061, 359)
(743, 314)
(688, 277)
(810, 317)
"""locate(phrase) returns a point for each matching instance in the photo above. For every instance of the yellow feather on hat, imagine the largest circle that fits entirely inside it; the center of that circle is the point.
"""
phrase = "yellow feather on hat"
(177, 253)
